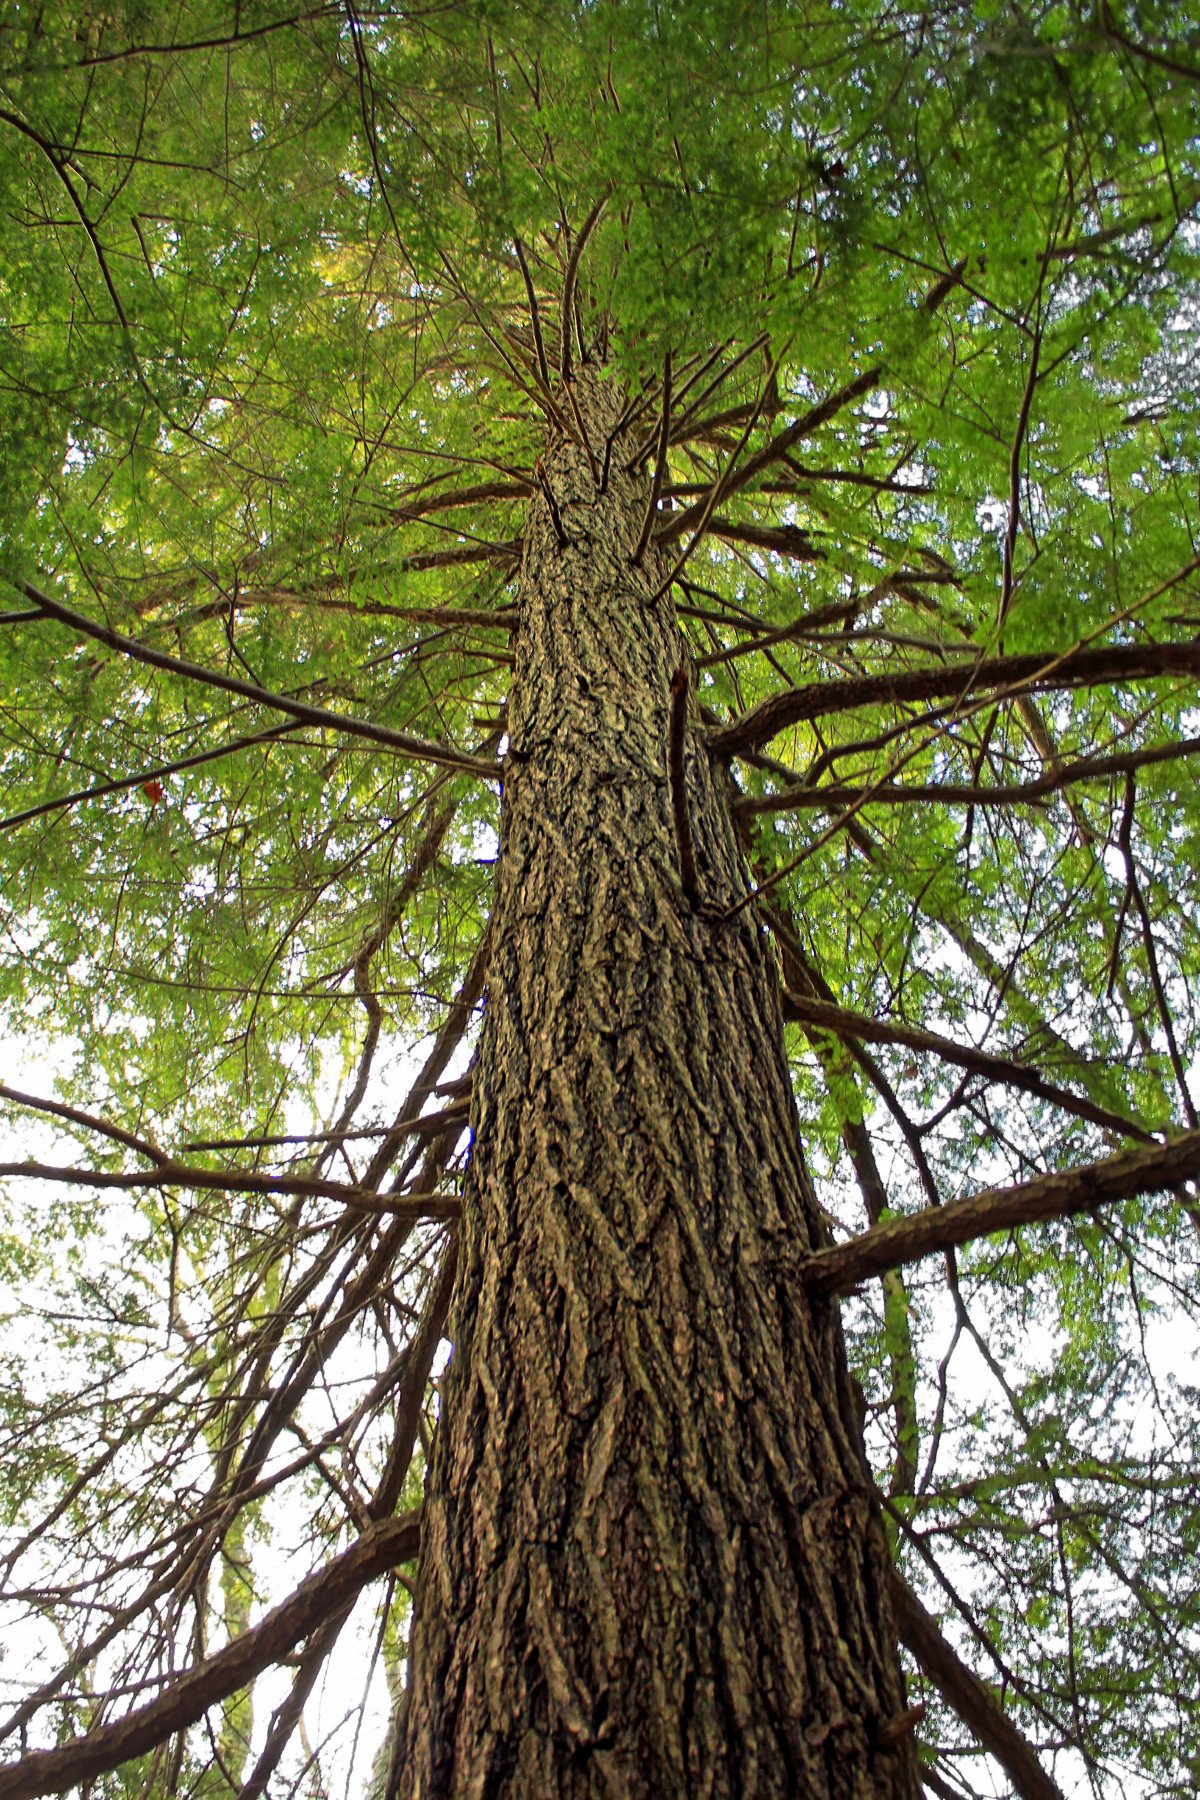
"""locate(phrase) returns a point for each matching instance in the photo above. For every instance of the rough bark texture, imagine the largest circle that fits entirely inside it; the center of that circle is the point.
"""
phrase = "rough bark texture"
(650, 1563)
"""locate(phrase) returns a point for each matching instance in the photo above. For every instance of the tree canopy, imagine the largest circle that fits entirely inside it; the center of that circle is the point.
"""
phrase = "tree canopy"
(901, 301)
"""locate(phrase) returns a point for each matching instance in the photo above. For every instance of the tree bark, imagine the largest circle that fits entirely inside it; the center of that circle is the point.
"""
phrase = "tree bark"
(651, 1564)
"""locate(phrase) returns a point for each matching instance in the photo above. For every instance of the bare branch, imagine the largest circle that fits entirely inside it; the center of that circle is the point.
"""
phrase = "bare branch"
(1054, 1196)
(190, 1694)
(819, 1013)
(969, 1697)
(704, 509)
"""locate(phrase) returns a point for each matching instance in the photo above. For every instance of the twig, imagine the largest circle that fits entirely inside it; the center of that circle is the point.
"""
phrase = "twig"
(569, 279)
(1013, 524)
(423, 1126)
(539, 469)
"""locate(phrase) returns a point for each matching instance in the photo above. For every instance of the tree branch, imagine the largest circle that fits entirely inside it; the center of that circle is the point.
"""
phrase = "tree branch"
(169, 1173)
(569, 279)
(778, 446)
(1116, 663)
(1085, 768)
(660, 465)
(535, 317)
(1053, 1196)
(154, 773)
(440, 754)
(59, 1109)
(803, 1010)
(189, 1695)
(969, 1697)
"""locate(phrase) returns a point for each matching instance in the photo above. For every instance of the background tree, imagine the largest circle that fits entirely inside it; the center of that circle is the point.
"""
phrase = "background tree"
(322, 330)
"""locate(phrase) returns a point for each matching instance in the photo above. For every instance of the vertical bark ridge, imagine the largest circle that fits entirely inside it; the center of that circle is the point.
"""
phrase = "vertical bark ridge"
(650, 1562)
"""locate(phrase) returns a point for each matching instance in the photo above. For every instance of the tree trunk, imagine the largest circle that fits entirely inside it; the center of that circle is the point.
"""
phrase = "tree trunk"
(650, 1561)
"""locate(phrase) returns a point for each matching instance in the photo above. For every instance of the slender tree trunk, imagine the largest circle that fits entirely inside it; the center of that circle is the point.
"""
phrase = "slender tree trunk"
(650, 1562)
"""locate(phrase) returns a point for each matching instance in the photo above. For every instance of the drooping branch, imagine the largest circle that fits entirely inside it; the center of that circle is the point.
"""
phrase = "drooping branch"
(189, 1695)
(1053, 1196)
(969, 1697)
(155, 772)
(443, 755)
(845, 1024)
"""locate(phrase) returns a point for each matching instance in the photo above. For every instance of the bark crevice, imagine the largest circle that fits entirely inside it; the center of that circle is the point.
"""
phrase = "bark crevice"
(651, 1563)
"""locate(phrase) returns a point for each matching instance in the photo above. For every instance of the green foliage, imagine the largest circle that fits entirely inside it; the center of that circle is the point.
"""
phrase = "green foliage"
(272, 403)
